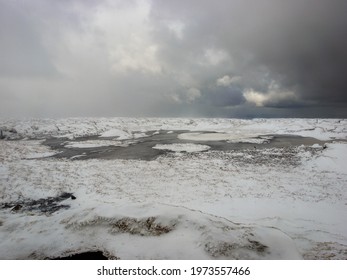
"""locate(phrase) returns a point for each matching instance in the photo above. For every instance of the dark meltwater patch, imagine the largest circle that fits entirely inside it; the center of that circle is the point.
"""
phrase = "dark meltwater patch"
(47, 205)
(97, 255)
(142, 148)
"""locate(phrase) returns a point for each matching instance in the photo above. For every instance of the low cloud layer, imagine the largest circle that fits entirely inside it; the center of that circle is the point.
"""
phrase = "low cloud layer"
(253, 58)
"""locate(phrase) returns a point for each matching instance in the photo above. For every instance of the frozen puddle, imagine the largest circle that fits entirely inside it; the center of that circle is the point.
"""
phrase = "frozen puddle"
(159, 143)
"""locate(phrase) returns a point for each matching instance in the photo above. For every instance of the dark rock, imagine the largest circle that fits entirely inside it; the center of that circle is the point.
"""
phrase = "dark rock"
(47, 205)
(65, 195)
(98, 255)
(17, 207)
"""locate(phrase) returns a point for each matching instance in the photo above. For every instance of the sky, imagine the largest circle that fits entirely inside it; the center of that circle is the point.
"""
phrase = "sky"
(182, 58)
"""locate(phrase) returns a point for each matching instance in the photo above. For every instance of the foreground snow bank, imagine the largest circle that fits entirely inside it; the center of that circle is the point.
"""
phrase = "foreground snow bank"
(141, 231)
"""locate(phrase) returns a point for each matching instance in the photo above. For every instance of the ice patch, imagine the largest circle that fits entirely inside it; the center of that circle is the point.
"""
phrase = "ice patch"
(77, 157)
(95, 144)
(121, 134)
(249, 140)
(189, 148)
(230, 137)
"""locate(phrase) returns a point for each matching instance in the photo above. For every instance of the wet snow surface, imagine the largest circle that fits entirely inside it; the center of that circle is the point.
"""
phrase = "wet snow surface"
(173, 188)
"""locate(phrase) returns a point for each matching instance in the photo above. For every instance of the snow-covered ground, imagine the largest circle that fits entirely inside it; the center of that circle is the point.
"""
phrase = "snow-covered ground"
(272, 203)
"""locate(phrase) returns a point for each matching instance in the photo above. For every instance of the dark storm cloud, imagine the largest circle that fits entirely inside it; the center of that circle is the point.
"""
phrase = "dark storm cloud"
(306, 48)
(237, 58)
(299, 44)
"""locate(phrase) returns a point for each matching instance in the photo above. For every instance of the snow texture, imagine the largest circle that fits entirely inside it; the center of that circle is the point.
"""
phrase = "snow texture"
(271, 203)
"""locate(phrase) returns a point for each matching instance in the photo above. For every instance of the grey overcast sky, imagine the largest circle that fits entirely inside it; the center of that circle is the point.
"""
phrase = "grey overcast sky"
(163, 58)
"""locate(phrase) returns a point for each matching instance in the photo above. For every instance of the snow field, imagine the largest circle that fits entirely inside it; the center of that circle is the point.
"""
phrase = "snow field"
(211, 205)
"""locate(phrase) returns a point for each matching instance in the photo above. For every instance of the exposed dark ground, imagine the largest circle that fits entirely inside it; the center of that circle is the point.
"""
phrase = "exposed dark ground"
(97, 255)
(47, 205)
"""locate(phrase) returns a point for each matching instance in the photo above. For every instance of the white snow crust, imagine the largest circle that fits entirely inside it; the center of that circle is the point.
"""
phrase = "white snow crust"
(259, 204)
(190, 148)
(96, 143)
